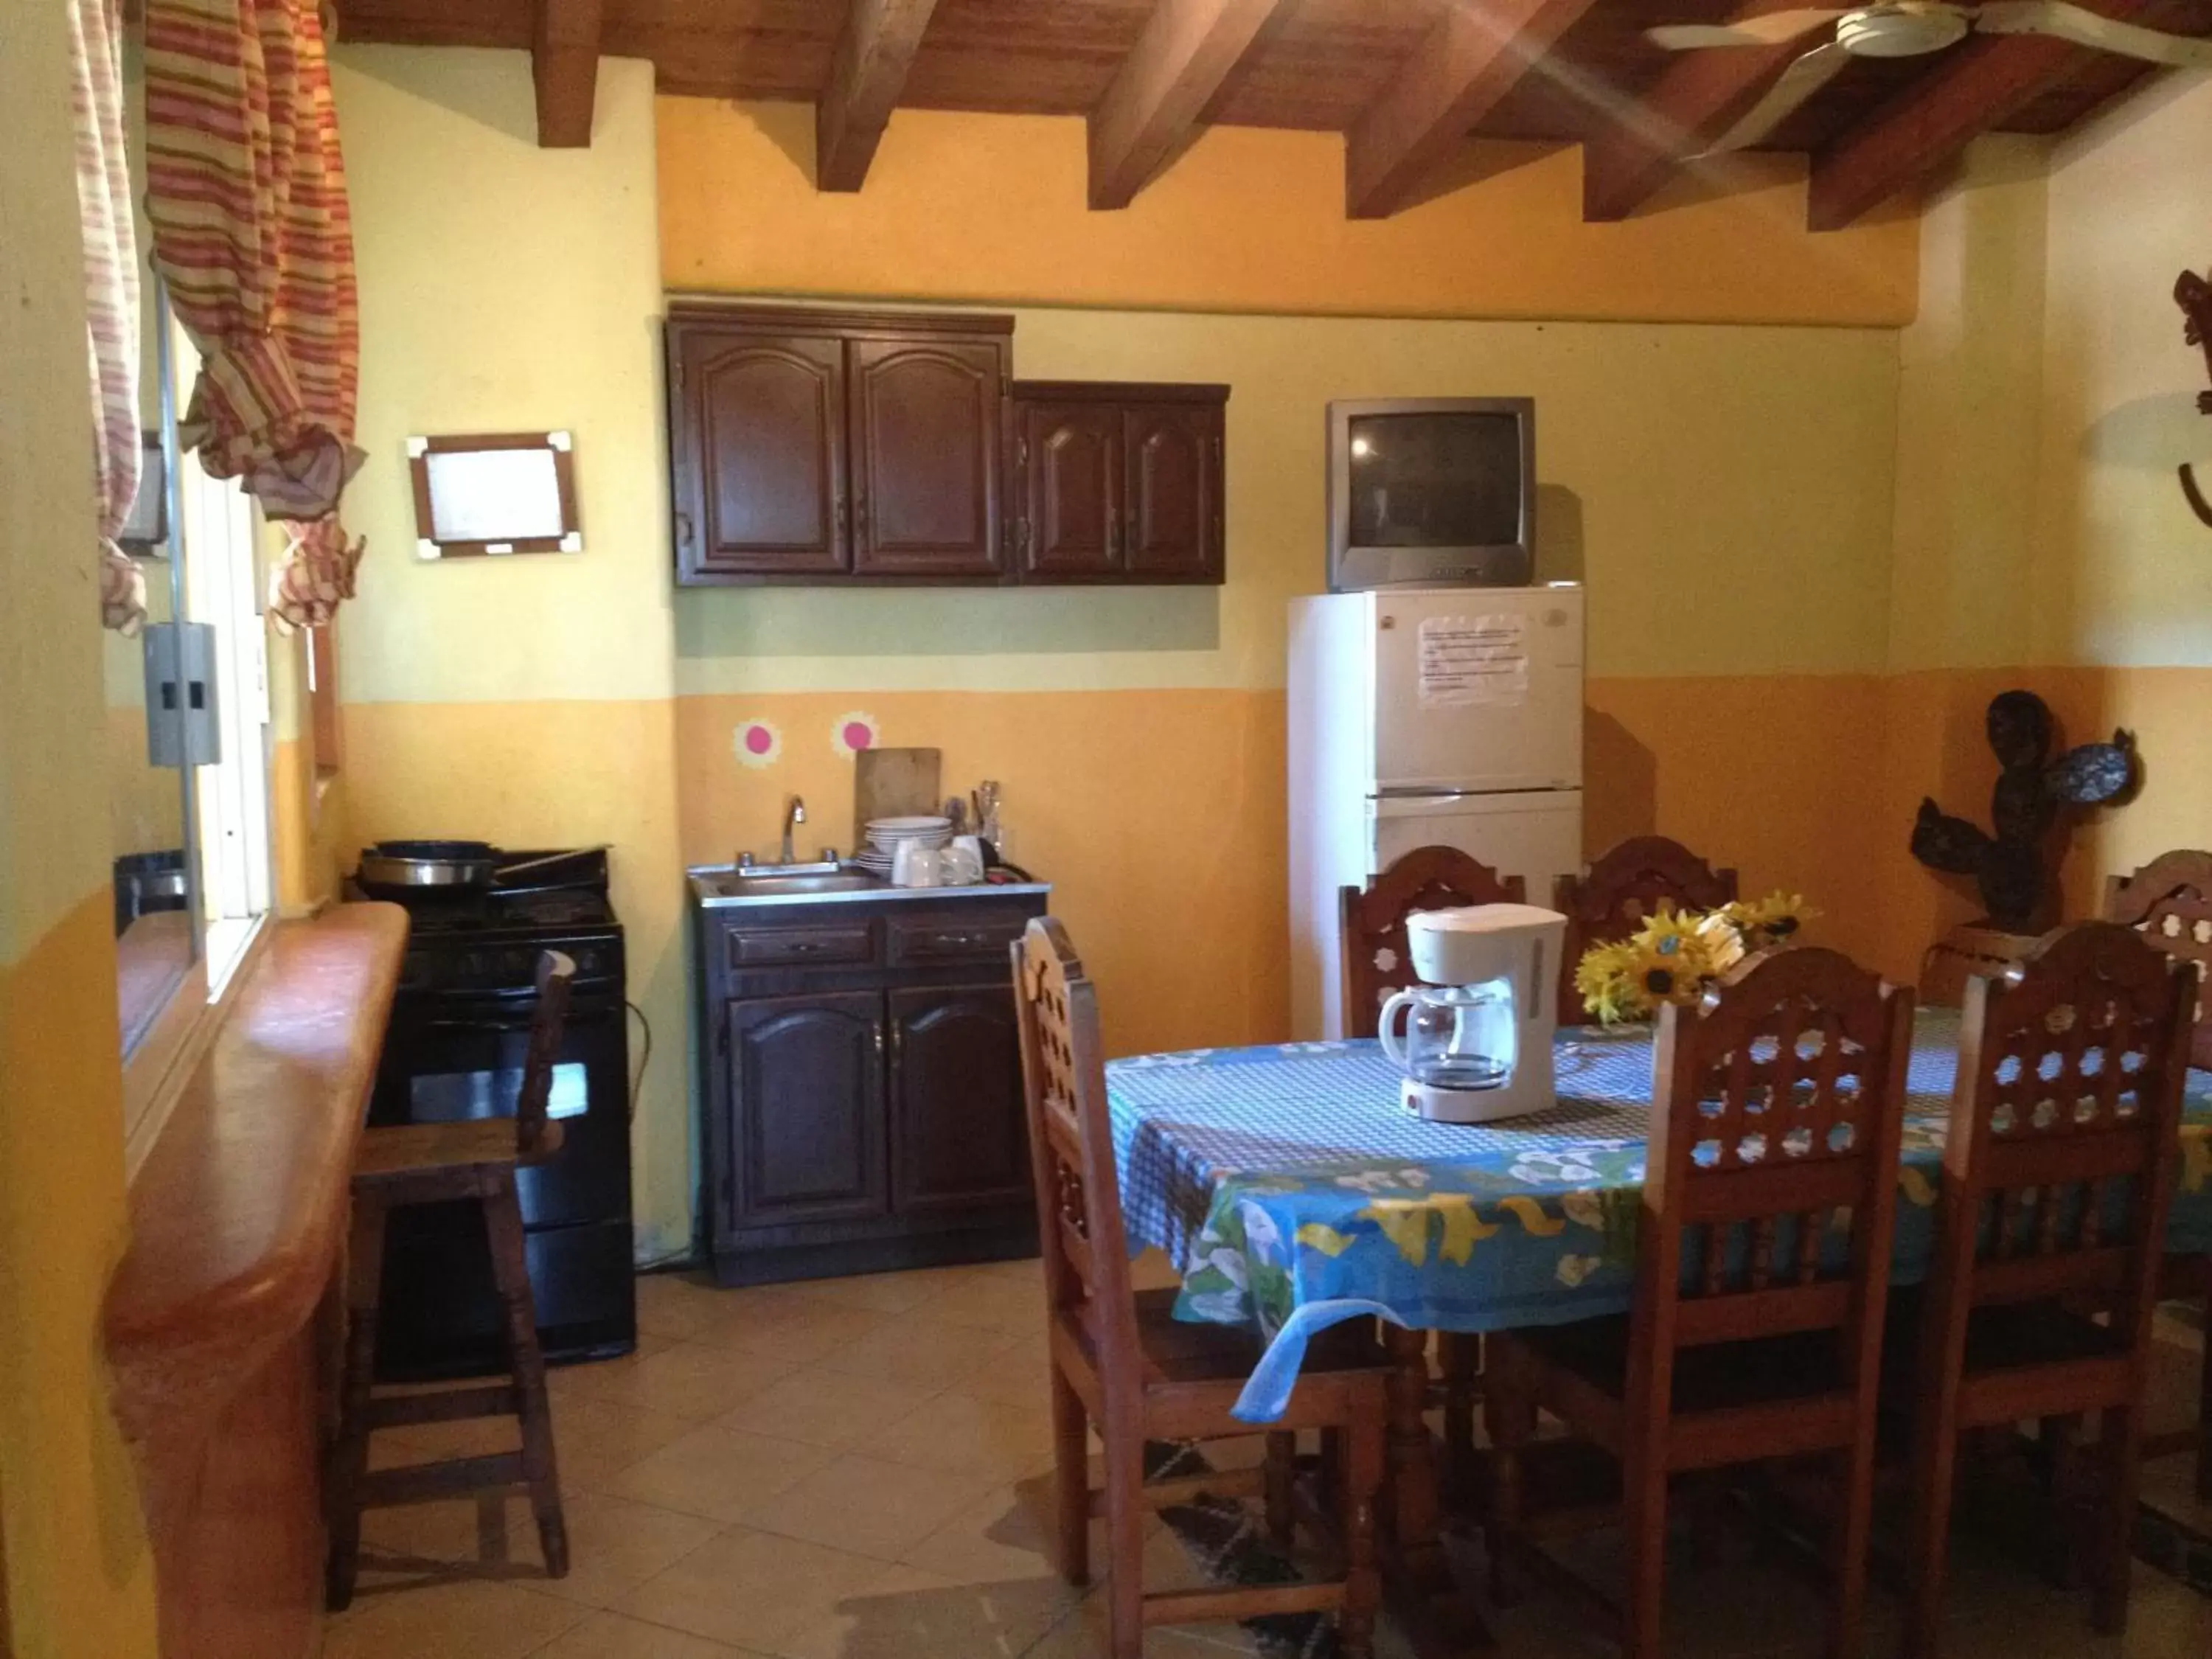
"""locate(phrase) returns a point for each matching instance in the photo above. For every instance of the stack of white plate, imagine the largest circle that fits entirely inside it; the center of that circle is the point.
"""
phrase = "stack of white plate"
(885, 836)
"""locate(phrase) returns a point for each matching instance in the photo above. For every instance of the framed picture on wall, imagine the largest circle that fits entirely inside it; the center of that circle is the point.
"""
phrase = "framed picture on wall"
(492, 494)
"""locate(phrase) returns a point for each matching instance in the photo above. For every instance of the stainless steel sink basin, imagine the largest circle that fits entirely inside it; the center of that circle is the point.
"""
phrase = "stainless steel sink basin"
(723, 887)
(770, 886)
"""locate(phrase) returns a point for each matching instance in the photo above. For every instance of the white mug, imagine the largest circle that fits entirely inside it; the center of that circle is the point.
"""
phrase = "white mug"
(915, 865)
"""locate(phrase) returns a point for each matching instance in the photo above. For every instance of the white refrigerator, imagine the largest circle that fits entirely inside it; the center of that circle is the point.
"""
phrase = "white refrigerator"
(1421, 717)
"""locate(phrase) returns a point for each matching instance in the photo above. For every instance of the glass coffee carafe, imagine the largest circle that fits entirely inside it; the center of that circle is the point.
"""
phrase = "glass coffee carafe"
(1464, 1037)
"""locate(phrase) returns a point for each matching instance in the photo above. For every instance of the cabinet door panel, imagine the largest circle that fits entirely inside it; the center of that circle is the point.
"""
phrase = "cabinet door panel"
(807, 1086)
(962, 1141)
(1174, 485)
(928, 453)
(766, 436)
(1072, 484)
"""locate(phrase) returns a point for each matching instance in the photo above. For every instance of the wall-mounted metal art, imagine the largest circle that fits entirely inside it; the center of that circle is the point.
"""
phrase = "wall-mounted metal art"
(2013, 867)
(2193, 294)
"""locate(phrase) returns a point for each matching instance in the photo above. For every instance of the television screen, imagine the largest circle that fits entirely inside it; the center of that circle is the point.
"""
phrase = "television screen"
(1434, 480)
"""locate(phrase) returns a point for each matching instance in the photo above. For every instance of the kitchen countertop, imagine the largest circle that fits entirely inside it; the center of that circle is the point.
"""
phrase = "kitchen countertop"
(708, 897)
(237, 1218)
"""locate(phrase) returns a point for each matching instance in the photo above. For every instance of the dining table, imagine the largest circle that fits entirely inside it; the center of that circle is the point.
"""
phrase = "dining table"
(1293, 1190)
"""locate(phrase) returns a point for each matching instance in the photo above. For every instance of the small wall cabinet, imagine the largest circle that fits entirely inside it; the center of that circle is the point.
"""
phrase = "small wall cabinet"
(863, 447)
(1119, 482)
(864, 1096)
(835, 445)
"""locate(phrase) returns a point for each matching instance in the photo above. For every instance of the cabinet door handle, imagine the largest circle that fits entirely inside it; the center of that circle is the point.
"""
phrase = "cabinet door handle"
(683, 530)
(879, 1041)
(840, 515)
(1113, 536)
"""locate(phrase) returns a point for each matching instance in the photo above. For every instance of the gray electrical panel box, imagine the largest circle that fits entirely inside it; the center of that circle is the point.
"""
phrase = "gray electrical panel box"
(181, 726)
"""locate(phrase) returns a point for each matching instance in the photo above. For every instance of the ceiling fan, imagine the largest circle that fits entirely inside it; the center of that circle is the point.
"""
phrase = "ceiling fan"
(1907, 29)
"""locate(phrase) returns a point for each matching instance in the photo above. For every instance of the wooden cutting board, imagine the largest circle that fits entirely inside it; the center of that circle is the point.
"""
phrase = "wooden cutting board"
(889, 783)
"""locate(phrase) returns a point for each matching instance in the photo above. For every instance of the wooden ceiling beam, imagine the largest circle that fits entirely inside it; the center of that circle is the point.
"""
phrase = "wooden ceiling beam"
(1973, 88)
(564, 62)
(1186, 51)
(1695, 99)
(867, 74)
(1477, 53)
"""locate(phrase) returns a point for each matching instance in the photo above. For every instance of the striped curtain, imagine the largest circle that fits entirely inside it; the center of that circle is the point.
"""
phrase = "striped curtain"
(110, 285)
(253, 236)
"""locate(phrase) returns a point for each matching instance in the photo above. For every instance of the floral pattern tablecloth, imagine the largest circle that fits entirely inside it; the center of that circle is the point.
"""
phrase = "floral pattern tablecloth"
(1293, 1190)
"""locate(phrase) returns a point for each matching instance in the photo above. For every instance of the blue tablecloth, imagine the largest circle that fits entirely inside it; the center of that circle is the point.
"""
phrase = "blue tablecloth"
(1293, 1190)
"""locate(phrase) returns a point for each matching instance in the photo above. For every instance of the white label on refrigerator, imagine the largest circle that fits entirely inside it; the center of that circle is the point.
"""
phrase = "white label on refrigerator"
(1469, 660)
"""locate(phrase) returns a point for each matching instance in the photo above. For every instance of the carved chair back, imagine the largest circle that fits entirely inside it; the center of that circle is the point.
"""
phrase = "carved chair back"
(2169, 903)
(2063, 1150)
(1770, 1195)
(1374, 921)
(1086, 1258)
(556, 975)
(1623, 889)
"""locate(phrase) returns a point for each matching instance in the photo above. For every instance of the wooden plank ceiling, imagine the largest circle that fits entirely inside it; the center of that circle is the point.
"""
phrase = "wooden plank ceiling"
(1405, 81)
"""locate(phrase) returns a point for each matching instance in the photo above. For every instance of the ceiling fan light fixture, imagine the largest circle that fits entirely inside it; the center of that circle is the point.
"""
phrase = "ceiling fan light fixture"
(1911, 29)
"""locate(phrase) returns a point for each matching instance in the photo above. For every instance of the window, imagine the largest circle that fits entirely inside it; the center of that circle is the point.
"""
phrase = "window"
(193, 875)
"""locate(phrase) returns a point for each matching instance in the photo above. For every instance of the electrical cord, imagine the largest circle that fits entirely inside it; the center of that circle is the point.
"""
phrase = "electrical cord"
(644, 1058)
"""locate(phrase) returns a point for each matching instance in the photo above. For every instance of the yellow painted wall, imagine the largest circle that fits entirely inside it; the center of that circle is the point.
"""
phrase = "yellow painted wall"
(969, 207)
(524, 700)
(2042, 540)
(79, 1574)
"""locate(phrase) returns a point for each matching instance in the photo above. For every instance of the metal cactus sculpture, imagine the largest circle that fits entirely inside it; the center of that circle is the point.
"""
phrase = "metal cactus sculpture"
(2008, 863)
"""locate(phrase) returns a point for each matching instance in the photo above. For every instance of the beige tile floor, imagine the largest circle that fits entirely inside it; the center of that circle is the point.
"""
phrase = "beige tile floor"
(858, 1469)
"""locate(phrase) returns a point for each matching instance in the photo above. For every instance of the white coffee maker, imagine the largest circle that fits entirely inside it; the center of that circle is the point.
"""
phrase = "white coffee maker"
(1476, 1042)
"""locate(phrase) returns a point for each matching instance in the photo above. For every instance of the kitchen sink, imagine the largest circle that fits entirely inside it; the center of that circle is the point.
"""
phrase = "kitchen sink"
(770, 884)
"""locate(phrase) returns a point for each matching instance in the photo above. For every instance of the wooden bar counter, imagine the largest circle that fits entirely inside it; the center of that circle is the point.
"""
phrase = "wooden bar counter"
(216, 1322)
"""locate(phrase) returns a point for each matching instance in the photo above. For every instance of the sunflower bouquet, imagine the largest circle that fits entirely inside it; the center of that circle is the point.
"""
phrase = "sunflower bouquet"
(1677, 954)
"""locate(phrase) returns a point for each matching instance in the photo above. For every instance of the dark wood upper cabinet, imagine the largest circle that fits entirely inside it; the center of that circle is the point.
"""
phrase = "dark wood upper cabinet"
(817, 446)
(759, 471)
(1173, 511)
(1120, 482)
(929, 456)
(1070, 497)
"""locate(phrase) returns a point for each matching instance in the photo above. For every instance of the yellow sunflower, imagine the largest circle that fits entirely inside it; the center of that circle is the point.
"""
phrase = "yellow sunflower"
(1666, 960)
(1775, 920)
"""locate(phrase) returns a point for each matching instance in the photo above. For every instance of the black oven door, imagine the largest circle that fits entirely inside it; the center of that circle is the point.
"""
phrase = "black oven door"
(453, 1056)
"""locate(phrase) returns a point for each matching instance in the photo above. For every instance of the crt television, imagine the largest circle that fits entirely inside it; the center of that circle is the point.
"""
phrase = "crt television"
(1431, 492)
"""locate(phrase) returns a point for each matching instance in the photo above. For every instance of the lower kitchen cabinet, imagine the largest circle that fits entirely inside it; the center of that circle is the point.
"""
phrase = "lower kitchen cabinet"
(809, 1108)
(964, 1134)
(863, 1104)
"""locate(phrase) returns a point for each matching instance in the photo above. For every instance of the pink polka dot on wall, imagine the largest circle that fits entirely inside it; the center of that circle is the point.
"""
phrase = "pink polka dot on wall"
(757, 743)
(852, 733)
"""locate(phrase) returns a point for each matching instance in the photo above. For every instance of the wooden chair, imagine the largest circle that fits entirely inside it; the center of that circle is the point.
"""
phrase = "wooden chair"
(1123, 1362)
(1426, 878)
(1375, 965)
(2039, 1304)
(1949, 965)
(1622, 889)
(1756, 1332)
(430, 1164)
(2169, 903)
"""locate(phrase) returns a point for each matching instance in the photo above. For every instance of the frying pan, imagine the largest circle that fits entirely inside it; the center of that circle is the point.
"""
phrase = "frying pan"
(422, 869)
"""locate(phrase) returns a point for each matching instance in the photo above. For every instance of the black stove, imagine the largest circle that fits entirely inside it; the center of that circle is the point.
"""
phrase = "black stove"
(459, 1030)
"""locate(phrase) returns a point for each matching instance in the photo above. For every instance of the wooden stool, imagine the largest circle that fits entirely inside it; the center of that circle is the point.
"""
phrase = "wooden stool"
(431, 1163)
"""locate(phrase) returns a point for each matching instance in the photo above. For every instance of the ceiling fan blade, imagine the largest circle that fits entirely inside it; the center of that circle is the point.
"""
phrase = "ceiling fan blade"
(1790, 92)
(2087, 29)
(1773, 28)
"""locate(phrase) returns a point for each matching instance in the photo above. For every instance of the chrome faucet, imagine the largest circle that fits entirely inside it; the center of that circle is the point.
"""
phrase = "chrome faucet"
(793, 815)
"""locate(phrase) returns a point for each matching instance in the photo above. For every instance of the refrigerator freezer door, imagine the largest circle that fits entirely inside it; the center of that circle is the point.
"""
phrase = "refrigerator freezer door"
(1478, 689)
(1537, 835)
